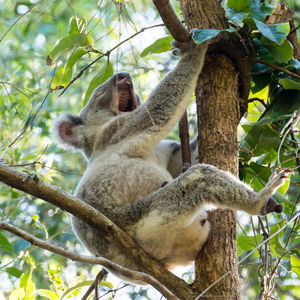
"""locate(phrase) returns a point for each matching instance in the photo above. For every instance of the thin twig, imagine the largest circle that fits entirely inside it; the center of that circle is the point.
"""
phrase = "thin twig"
(14, 23)
(107, 53)
(27, 126)
(98, 279)
(262, 61)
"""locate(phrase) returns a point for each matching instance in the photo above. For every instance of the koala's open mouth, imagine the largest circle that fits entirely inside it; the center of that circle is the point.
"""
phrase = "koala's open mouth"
(127, 98)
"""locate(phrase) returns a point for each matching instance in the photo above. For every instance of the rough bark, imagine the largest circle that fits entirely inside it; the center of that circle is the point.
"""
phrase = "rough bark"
(218, 105)
(218, 115)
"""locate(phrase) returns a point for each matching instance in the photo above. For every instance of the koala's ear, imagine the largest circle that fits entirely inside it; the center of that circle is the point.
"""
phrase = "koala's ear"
(68, 130)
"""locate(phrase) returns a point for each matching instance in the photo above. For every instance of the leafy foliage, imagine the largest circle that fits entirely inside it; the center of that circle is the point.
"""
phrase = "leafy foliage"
(42, 52)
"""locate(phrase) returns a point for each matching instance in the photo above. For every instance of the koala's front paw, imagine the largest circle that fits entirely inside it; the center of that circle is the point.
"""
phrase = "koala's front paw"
(275, 181)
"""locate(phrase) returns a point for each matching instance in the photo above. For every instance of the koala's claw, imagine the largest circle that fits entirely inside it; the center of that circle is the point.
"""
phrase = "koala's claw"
(278, 179)
(284, 174)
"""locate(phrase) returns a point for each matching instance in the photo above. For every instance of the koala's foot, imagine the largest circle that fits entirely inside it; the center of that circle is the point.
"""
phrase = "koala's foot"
(272, 206)
(275, 181)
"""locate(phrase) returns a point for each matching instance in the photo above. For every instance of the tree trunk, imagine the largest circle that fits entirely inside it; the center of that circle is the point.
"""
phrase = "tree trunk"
(218, 106)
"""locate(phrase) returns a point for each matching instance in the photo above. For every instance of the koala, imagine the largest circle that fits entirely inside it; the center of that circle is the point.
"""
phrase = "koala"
(128, 162)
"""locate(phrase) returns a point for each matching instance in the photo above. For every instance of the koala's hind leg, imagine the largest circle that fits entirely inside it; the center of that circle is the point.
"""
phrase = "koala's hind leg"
(206, 184)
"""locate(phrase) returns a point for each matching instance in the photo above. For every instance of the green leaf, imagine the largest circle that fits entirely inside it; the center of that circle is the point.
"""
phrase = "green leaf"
(289, 84)
(259, 10)
(77, 25)
(14, 272)
(48, 294)
(275, 33)
(295, 262)
(5, 245)
(282, 53)
(28, 286)
(238, 5)
(276, 243)
(295, 63)
(249, 242)
(202, 35)
(159, 46)
(260, 139)
(282, 107)
(84, 283)
(68, 43)
(105, 73)
(64, 73)
(236, 17)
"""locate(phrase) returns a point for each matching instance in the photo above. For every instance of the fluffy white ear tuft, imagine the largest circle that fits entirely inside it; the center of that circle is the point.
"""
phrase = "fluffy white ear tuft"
(67, 130)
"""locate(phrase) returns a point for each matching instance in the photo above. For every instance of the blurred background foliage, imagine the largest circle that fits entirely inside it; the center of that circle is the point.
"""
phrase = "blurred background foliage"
(44, 44)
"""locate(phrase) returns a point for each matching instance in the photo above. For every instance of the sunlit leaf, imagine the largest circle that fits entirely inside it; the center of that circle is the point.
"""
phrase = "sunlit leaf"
(48, 294)
(68, 43)
(105, 73)
(77, 25)
(28, 286)
(17, 294)
(159, 46)
(64, 74)
(295, 262)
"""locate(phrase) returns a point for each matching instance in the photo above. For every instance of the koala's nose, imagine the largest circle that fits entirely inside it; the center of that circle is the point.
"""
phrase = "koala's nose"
(123, 77)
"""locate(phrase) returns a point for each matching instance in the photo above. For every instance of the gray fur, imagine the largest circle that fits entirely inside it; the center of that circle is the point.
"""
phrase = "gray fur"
(127, 167)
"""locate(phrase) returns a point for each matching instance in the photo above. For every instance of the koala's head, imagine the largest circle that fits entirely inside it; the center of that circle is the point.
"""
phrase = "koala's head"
(109, 100)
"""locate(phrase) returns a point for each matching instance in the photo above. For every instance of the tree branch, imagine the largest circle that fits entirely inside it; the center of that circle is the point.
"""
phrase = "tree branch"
(95, 284)
(91, 216)
(88, 259)
(181, 34)
(173, 24)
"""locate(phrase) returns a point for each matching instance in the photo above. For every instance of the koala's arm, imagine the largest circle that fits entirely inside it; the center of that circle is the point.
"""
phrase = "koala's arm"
(168, 101)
